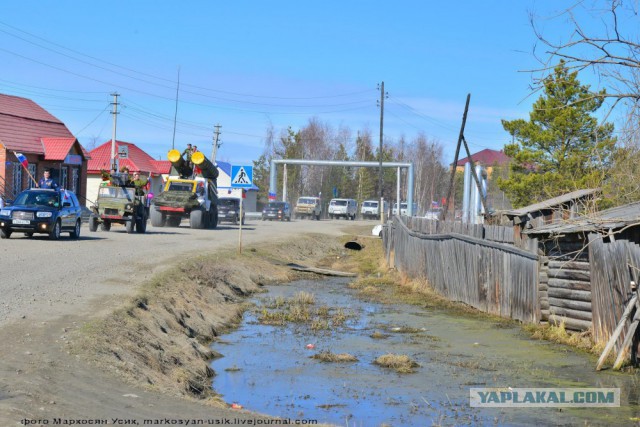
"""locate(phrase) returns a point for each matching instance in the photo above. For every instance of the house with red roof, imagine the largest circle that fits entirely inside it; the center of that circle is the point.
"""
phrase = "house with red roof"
(129, 156)
(44, 141)
(487, 158)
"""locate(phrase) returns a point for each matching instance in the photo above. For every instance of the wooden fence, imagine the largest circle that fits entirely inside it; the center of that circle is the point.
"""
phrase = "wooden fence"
(491, 276)
(613, 266)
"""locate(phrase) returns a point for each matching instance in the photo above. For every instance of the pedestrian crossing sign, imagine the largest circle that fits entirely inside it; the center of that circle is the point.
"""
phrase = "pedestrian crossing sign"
(242, 176)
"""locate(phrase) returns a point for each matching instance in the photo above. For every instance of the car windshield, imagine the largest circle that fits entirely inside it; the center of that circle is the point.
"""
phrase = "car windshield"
(339, 202)
(38, 198)
(180, 186)
(370, 204)
(277, 205)
(227, 202)
(306, 201)
(117, 192)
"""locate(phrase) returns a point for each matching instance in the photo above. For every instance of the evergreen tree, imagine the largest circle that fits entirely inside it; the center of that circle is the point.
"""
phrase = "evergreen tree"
(561, 148)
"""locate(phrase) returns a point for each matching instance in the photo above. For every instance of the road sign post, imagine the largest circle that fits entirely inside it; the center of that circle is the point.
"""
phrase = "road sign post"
(241, 177)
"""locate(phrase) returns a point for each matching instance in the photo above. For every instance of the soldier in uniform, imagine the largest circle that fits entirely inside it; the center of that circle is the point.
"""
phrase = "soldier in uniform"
(140, 183)
(187, 153)
(46, 181)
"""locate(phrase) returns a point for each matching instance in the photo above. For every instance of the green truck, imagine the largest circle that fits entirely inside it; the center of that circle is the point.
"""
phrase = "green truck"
(190, 192)
(120, 201)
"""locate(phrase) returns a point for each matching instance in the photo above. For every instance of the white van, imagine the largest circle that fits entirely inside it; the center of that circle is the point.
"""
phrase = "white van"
(369, 209)
(347, 208)
(403, 208)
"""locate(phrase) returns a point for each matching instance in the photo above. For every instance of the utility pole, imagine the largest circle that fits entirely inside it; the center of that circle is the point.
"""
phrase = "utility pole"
(382, 96)
(214, 150)
(114, 158)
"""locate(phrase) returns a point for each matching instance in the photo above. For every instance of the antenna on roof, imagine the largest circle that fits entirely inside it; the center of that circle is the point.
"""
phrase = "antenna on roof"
(175, 116)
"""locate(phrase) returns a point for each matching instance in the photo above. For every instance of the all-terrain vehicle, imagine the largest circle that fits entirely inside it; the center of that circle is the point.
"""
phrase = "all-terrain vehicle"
(308, 207)
(120, 201)
(190, 192)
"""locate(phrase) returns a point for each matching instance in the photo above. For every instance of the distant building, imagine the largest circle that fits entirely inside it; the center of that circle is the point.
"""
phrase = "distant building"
(136, 160)
(45, 142)
(487, 158)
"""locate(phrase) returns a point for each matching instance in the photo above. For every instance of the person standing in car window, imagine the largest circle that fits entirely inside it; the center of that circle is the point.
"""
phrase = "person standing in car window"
(46, 181)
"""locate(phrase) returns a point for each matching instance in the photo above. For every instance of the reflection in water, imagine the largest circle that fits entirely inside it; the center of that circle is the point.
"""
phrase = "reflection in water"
(269, 369)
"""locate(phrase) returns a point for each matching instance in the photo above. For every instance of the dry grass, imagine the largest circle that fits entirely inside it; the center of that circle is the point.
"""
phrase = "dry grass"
(558, 334)
(377, 335)
(399, 362)
(327, 356)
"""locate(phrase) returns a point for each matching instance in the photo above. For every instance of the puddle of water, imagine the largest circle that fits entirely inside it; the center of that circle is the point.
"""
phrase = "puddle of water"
(269, 369)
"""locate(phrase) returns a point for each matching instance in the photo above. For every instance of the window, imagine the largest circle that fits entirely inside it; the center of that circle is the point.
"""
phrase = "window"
(75, 178)
(32, 170)
(17, 178)
(63, 176)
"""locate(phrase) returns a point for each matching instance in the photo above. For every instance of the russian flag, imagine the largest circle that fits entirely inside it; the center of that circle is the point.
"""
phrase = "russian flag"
(272, 196)
(22, 159)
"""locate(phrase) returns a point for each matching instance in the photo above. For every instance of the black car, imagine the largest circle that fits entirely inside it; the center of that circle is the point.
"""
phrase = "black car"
(229, 210)
(277, 210)
(42, 211)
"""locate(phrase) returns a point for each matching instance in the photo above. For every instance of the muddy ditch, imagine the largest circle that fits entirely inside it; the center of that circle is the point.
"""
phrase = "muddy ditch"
(333, 368)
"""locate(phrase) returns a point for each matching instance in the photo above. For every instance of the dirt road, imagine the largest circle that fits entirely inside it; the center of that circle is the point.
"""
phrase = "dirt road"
(49, 288)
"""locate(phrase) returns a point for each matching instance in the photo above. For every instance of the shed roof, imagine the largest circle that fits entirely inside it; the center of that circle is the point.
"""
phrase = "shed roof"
(614, 218)
(552, 203)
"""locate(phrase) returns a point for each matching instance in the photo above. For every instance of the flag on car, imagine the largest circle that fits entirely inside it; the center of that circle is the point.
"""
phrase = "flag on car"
(22, 159)
(272, 196)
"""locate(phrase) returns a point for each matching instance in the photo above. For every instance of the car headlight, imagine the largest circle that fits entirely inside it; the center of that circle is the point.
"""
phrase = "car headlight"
(5, 212)
(128, 206)
(44, 214)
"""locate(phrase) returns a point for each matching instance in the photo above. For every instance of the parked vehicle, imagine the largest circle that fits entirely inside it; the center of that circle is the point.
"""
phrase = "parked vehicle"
(277, 210)
(370, 209)
(42, 211)
(433, 214)
(308, 207)
(403, 209)
(346, 208)
(229, 210)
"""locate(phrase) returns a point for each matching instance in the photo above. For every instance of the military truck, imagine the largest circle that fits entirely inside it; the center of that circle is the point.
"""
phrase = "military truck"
(308, 207)
(191, 192)
(120, 201)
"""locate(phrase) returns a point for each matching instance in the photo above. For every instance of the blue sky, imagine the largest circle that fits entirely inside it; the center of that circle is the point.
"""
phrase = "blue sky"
(251, 65)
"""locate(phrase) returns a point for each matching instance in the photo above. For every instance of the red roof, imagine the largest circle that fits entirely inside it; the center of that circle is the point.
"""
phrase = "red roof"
(57, 148)
(138, 160)
(23, 124)
(486, 157)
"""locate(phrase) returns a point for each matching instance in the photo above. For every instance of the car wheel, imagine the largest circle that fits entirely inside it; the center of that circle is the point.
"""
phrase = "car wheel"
(105, 226)
(93, 224)
(289, 218)
(55, 232)
(158, 219)
(130, 225)
(75, 234)
(5, 234)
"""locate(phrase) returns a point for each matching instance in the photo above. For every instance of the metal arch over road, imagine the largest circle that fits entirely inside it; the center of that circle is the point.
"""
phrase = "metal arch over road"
(409, 166)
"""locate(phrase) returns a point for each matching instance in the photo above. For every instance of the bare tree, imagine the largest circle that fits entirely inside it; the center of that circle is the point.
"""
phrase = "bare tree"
(612, 51)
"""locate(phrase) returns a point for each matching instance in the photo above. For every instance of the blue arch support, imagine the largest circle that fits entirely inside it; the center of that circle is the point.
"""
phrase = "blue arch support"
(408, 166)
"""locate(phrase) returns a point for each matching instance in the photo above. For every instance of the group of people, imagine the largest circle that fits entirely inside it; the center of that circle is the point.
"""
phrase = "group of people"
(188, 152)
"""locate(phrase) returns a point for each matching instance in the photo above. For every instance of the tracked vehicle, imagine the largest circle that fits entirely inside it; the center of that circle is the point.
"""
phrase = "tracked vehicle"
(191, 192)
